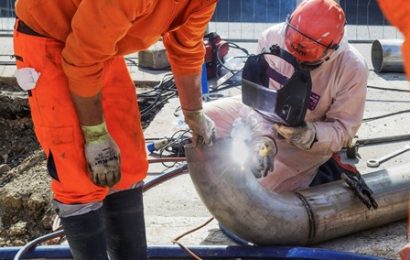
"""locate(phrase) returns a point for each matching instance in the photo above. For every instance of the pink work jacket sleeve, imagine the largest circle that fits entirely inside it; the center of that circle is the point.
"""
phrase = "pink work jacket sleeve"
(343, 118)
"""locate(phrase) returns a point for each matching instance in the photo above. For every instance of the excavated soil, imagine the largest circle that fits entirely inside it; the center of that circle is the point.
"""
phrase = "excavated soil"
(25, 210)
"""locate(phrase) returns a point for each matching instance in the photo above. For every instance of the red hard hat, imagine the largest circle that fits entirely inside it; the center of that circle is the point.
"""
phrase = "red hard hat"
(314, 29)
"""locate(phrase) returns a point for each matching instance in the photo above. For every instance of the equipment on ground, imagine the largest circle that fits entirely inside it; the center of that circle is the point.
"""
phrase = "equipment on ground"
(353, 148)
(377, 162)
(286, 105)
(351, 175)
(360, 189)
(215, 50)
(387, 56)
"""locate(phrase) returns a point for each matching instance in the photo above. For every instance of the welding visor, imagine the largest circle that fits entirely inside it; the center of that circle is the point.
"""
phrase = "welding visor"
(286, 105)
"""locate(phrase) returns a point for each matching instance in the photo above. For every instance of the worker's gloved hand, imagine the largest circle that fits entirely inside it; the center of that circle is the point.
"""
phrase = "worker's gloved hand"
(302, 137)
(264, 151)
(203, 128)
(102, 155)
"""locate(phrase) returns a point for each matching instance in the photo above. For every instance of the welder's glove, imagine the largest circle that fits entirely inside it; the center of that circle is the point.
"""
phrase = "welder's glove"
(203, 128)
(302, 137)
(264, 150)
(102, 155)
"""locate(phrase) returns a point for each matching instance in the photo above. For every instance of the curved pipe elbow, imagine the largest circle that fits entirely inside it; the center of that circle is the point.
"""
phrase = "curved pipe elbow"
(234, 196)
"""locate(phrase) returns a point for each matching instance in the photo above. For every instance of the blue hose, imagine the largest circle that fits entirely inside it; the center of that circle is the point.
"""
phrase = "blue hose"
(205, 252)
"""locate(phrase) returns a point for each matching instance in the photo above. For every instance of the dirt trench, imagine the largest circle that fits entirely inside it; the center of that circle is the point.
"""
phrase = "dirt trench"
(25, 211)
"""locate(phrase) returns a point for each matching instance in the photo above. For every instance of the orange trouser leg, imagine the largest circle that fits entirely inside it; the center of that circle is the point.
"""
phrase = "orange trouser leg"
(57, 127)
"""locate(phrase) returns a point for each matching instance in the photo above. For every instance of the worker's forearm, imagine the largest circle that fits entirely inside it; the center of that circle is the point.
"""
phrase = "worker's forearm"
(189, 91)
(89, 109)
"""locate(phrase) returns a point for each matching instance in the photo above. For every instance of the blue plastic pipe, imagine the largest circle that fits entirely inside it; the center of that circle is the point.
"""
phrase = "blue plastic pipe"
(205, 252)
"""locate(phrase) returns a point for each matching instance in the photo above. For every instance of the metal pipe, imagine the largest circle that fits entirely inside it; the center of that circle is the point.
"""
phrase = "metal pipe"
(238, 201)
(387, 56)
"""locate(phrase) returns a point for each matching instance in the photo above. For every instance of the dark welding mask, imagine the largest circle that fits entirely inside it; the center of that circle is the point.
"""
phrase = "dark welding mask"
(286, 105)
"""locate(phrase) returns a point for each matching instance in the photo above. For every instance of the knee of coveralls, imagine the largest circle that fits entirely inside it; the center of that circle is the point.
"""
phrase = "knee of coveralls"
(123, 120)
(56, 123)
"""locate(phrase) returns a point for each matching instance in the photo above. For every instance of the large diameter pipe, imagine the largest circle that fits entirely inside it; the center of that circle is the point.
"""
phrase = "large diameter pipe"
(238, 201)
(387, 56)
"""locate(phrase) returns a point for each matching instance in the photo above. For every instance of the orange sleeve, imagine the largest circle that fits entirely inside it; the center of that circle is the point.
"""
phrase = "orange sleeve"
(397, 12)
(185, 47)
(97, 26)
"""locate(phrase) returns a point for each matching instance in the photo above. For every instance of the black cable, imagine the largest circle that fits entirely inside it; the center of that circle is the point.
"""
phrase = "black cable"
(385, 115)
(389, 89)
(175, 146)
(234, 46)
(131, 61)
(158, 95)
(228, 86)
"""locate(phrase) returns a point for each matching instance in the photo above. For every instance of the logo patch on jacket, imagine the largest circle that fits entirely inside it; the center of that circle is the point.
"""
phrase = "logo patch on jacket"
(313, 101)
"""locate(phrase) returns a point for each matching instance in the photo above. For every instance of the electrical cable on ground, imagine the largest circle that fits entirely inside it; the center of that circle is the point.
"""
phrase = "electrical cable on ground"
(389, 89)
(365, 120)
(175, 240)
(167, 159)
(158, 95)
(33, 243)
(171, 149)
(131, 62)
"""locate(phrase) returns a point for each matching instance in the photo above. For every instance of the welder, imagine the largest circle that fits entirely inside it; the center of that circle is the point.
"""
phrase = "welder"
(314, 35)
(83, 103)
(397, 13)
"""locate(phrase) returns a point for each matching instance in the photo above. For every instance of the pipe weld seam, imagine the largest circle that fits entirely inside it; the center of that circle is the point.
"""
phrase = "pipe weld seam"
(311, 216)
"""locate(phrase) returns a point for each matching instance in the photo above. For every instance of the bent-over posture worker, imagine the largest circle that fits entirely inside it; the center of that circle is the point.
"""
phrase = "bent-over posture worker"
(83, 104)
(398, 12)
(314, 35)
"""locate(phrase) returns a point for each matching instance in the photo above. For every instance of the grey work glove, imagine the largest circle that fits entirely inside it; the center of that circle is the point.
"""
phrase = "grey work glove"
(302, 137)
(102, 155)
(203, 128)
(264, 152)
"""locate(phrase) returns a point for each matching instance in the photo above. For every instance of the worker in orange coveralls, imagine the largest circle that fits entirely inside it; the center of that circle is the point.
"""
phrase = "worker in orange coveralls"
(83, 103)
(398, 13)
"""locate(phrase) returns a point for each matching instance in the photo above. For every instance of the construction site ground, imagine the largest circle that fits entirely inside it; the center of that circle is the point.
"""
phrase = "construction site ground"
(174, 207)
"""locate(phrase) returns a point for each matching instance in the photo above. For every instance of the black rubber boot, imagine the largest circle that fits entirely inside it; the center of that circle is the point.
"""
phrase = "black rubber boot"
(85, 235)
(125, 226)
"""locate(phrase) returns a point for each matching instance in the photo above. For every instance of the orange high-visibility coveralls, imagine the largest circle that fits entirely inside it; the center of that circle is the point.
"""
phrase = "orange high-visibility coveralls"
(398, 13)
(81, 52)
